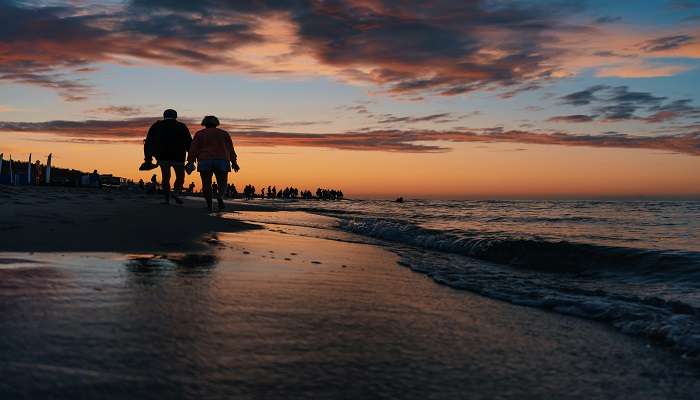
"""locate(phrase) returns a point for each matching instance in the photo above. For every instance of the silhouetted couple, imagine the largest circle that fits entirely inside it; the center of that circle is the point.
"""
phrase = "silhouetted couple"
(169, 140)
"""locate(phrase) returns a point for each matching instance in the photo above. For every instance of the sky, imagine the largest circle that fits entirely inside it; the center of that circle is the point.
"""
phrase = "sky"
(413, 98)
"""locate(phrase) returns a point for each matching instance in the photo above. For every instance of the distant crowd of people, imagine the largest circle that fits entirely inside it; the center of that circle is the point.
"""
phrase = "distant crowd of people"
(271, 192)
(249, 191)
(329, 194)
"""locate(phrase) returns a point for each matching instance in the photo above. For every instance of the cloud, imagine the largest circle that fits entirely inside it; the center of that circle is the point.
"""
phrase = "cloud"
(582, 97)
(49, 46)
(619, 103)
(441, 47)
(391, 140)
(607, 19)
(409, 48)
(40, 46)
(577, 118)
(386, 119)
(357, 108)
(674, 110)
(665, 43)
(436, 118)
(640, 70)
(118, 110)
(628, 50)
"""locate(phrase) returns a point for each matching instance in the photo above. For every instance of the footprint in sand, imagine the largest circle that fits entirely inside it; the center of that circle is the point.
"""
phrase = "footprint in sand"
(287, 259)
(315, 262)
(246, 252)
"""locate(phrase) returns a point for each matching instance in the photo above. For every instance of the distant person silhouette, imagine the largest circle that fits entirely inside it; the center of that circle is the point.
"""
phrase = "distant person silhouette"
(95, 179)
(213, 151)
(168, 140)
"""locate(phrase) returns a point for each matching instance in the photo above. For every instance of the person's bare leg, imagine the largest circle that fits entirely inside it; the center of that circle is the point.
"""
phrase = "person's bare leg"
(222, 182)
(206, 187)
(179, 181)
(165, 182)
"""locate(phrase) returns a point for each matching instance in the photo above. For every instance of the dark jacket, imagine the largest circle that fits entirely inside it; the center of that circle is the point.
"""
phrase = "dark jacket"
(168, 139)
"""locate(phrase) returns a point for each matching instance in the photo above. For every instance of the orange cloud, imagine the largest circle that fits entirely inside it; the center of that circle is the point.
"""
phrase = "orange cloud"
(640, 70)
(626, 51)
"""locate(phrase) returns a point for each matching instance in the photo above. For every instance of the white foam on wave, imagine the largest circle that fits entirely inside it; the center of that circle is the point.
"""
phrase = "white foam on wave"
(672, 323)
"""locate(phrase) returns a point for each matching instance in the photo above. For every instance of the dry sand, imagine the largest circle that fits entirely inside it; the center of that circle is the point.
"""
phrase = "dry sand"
(261, 314)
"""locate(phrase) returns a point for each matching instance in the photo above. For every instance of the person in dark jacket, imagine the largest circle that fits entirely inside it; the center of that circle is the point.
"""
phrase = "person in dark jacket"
(168, 140)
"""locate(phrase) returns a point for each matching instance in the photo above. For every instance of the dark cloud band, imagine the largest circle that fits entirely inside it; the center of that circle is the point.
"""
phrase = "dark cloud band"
(409, 141)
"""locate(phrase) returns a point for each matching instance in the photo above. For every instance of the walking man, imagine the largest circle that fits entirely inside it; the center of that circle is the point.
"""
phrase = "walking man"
(168, 140)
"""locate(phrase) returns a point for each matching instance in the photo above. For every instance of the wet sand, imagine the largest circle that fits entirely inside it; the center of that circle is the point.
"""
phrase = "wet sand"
(41, 219)
(99, 300)
(261, 314)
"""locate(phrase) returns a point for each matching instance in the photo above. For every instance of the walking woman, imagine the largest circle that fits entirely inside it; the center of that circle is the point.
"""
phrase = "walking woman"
(213, 151)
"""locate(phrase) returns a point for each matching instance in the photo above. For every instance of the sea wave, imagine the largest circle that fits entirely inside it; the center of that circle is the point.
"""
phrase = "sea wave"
(584, 280)
(530, 252)
(544, 219)
(672, 323)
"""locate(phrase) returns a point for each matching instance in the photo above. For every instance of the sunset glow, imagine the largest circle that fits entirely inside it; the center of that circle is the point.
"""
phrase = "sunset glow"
(474, 99)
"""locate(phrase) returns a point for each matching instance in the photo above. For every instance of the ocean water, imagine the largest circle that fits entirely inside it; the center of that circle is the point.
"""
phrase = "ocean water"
(632, 264)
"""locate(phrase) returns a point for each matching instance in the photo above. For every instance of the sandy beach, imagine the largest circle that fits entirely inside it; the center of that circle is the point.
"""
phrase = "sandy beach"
(111, 295)
(40, 219)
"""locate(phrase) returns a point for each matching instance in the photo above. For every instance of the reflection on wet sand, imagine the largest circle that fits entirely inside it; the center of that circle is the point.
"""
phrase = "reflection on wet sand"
(231, 323)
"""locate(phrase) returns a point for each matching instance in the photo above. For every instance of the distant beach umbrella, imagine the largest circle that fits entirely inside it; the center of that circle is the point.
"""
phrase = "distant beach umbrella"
(48, 170)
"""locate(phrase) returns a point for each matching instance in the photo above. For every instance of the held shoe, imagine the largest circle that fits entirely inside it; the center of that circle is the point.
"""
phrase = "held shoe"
(147, 166)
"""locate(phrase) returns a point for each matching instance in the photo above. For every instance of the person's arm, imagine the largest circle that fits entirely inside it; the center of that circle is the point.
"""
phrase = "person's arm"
(231, 151)
(149, 145)
(194, 149)
(233, 157)
(188, 137)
